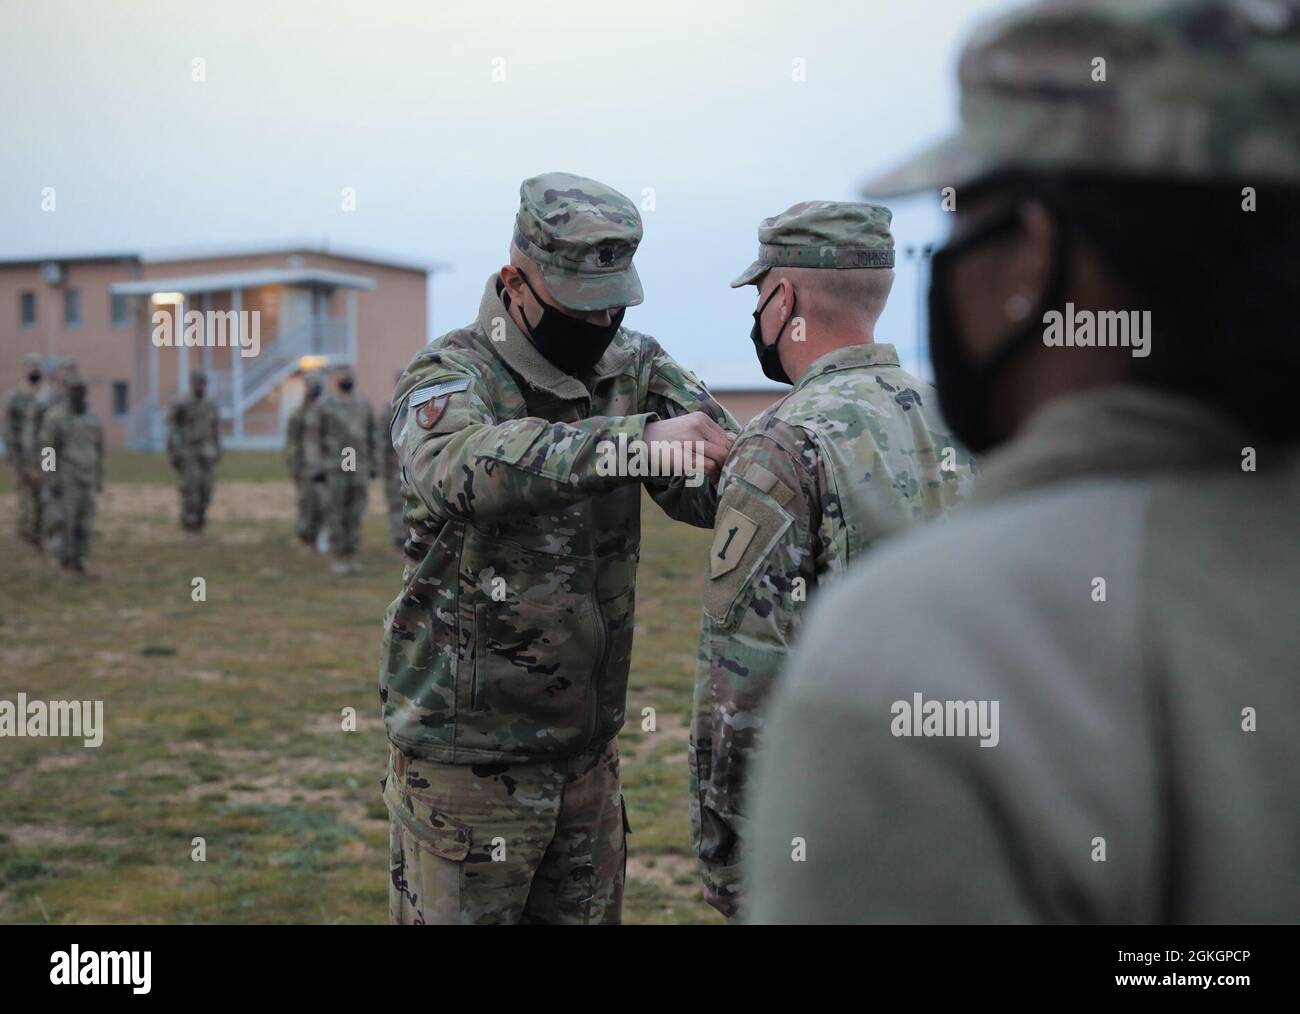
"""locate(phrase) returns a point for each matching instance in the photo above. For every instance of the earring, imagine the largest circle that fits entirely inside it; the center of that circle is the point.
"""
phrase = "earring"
(1017, 307)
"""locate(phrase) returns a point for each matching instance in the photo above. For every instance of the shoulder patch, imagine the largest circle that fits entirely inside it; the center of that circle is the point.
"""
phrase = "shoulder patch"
(731, 537)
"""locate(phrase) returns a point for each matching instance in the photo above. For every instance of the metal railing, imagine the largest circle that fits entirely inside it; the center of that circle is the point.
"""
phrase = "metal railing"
(277, 358)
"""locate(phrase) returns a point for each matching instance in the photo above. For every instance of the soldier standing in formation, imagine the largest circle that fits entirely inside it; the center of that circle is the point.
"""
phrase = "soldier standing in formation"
(24, 457)
(1102, 643)
(49, 401)
(308, 524)
(505, 656)
(855, 451)
(194, 448)
(341, 458)
(74, 436)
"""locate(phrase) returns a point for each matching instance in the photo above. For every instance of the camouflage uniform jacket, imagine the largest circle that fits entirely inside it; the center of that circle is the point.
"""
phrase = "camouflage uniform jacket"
(78, 443)
(294, 452)
(18, 409)
(856, 450)
(194, 428)
(340, 422)
(512, 637)
(48, 398)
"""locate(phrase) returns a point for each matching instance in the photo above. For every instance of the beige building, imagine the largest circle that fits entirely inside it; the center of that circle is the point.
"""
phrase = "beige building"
(254, 319)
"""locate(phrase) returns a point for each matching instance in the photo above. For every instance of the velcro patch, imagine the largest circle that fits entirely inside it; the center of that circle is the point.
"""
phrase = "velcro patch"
(422, 394)
(731, 536)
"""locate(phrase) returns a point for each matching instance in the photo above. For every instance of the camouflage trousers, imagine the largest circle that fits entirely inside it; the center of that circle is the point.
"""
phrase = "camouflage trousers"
(506, 843)
(345, 505)
(77, 502)
(196, 482)
(309, 510)
(51, 515)
(29, 506)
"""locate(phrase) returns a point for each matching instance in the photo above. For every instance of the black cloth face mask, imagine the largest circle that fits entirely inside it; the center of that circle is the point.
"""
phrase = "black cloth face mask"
(769, 359)
(965, 387)
(345, 385)
(569, 344)
(34, 377)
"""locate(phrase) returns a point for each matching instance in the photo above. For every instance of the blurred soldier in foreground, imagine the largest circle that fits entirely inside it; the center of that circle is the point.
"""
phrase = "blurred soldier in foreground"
(20, 445)
(505, 660)
(75, 436)
(308, 524)
(1077, 701)
(393, 488)
(341, 459)
(50, 400)
(855, 451)
(194, 448)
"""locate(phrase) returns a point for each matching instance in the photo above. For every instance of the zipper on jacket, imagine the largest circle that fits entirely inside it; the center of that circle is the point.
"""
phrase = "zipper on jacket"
(593, 685)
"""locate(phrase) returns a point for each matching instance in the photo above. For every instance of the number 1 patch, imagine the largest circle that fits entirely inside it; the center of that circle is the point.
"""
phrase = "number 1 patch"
(731, 536)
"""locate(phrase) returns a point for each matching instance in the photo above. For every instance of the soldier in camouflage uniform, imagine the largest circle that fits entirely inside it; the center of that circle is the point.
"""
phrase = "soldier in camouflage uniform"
(308, 498)
(341, 457)
(194, 448)
(21, 448)
(856, 450)
(393, 489)
(74, 434)
(505, 658)
(50, 400)
(1099, 650)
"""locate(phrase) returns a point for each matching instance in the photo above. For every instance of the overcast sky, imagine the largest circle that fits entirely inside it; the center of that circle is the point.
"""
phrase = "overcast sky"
(695, 101)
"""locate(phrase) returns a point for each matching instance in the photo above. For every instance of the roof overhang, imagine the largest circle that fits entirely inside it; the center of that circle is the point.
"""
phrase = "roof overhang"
(224, 281)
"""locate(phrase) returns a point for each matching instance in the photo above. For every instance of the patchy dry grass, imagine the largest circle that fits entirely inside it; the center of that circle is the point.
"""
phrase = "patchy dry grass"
(224, 717)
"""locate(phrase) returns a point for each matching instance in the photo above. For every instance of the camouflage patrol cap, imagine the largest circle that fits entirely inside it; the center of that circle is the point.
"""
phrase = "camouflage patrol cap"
(582, 235)
(1194, 89)
(198, 378)
(34, 361)
(72, 376)
(823, 234)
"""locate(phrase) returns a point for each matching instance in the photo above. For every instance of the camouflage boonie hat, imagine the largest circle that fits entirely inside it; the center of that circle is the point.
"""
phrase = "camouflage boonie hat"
(823, 234)
(582, 234)
(1195, 89)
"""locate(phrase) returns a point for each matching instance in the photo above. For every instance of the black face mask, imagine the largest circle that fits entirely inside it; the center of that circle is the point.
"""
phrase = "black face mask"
(572, 345)
(34, 377)
(345, 385)
(769, 359)
(966, 387)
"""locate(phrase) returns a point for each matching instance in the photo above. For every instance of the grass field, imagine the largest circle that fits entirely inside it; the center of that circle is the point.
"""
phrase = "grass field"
(223, 717)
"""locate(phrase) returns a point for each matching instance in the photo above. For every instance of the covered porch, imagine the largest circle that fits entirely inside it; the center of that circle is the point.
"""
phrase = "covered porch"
(254, 331)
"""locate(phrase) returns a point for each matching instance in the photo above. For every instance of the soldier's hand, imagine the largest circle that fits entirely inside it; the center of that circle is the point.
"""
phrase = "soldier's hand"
(695, 431)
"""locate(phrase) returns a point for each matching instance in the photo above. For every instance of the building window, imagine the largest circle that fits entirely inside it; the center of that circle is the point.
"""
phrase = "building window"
(119, 310)
(72, 307)
(27, 309)
(121, 397)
